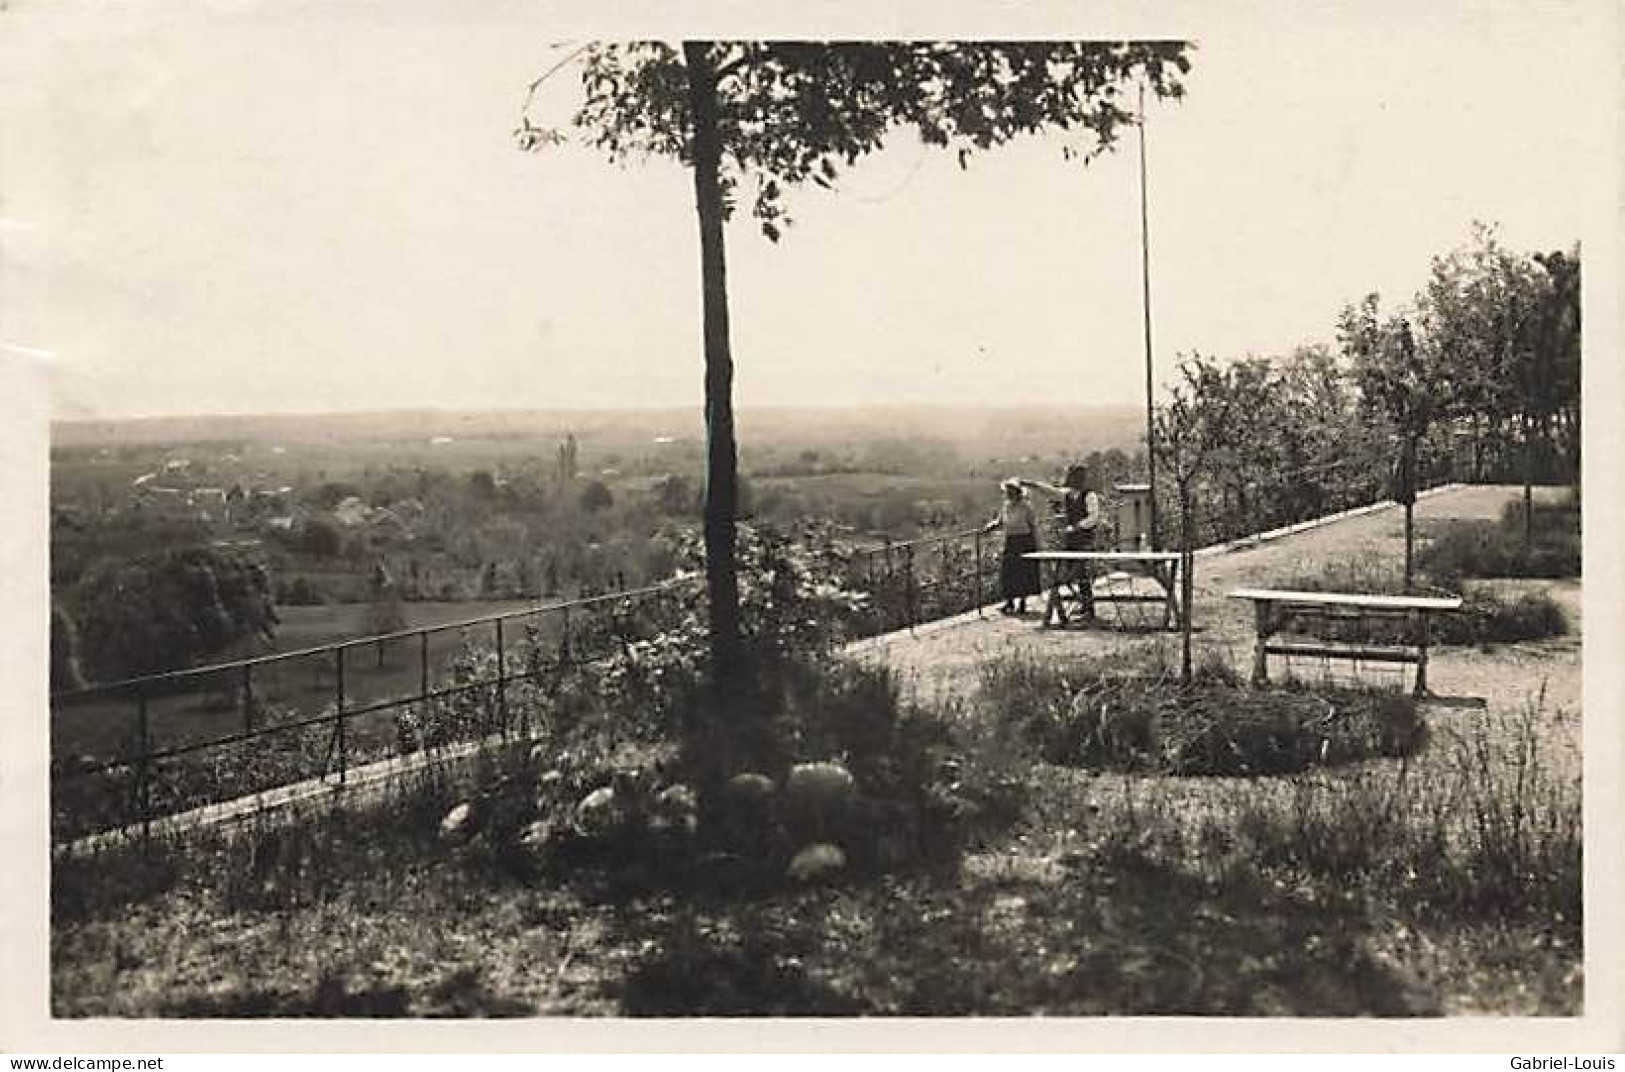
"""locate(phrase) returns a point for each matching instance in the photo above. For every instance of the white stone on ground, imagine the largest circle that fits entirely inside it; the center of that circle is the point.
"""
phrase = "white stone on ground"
(818, 861)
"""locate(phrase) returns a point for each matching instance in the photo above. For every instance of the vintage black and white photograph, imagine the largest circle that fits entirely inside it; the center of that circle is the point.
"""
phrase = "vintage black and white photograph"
(549, 523)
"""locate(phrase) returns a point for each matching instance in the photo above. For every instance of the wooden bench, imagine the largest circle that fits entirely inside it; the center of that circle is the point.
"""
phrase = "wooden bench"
(1274, 608)
(1161, 566)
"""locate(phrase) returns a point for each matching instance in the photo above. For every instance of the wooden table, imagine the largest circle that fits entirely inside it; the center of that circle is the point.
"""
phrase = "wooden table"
(1272, 608)
(1161, 566)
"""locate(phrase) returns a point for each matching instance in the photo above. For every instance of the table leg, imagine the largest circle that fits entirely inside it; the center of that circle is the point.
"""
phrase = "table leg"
(1054, 605)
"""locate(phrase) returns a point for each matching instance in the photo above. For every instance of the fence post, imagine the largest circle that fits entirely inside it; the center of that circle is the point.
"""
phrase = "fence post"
(526, 670)
(423, 675)
(248, 698)
(945, 564)
(976, 567)
(911, 595)
(502, 681)
(143, 773)
(338, 655)
(564, 636)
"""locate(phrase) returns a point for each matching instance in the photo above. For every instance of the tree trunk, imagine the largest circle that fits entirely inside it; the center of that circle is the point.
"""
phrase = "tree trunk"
(1478, 450)
(1187, 587)
(1410, 545)
(1571, 443)
(1528, 484)
(722, 481)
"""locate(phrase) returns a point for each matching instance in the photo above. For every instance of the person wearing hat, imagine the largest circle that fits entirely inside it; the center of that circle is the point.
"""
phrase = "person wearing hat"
(1018, 576)
(1080, 520)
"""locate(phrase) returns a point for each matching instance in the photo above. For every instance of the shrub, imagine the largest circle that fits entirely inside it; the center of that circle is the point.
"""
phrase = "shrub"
(1109, 722)
(1487, 617)
(1113, 716)
(1557, 518)
(1462, 549)
(927, 780)
(1228, 731)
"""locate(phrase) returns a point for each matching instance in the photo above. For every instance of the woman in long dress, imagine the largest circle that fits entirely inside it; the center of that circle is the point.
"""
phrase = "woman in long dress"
(1018, 576)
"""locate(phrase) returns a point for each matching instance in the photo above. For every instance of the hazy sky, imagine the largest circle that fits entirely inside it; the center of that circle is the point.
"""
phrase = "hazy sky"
(237, 207)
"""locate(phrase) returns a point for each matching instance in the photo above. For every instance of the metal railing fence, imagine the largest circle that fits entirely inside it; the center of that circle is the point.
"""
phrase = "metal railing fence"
(914, 581)
(151, 746)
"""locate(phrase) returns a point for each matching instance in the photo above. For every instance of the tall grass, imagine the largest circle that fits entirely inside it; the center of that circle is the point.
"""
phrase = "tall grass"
(1122, 714)
(1467, 549)
(1491, 835)
(1497, 836)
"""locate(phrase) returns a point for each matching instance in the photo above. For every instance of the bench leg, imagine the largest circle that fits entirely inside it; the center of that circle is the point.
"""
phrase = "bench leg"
(1261, 623)
(1421, 689)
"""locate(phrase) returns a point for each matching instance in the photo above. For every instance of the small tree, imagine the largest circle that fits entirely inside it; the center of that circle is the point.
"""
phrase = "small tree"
(1196, 422)
(1403, 383)
(384, 612)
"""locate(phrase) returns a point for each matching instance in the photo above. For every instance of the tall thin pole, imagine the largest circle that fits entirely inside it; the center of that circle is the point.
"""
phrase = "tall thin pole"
(1145, 286)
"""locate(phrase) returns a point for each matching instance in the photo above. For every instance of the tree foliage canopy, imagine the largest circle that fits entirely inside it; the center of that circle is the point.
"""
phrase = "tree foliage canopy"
(1401, 379)
(791, 112)
(170, 610)
(1200, 417)
(1491, 343)
(1507, 326)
